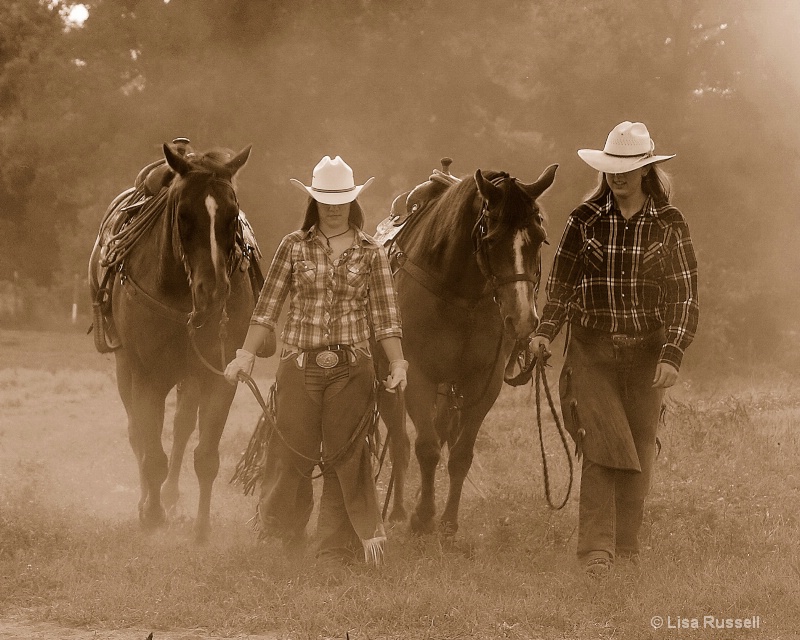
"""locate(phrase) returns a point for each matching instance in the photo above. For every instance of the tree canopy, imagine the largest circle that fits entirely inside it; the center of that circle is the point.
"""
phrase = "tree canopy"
(394, 86)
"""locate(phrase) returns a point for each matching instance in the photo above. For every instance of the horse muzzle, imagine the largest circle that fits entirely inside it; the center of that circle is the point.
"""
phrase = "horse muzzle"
(518, 308)
(208, 303)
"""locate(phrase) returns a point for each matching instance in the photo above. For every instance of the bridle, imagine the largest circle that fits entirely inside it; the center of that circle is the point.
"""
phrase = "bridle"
(191, 325)
(479, 234)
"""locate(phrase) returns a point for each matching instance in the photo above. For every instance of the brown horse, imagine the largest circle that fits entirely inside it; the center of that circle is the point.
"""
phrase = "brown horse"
(468, 268)
(177, 304)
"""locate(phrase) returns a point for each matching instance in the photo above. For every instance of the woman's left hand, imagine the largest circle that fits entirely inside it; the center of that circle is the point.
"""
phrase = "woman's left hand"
(398, 377)
(666, 376)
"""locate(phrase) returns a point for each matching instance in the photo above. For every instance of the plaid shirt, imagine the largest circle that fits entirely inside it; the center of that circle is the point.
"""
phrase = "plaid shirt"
(331, 301)
(625, 276)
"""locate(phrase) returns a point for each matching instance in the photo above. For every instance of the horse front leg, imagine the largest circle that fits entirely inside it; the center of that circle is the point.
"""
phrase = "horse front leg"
(399, 444)
(215, 401)
(461, 446)
(186, 407)
(421, 396)
(125, 388)
(145, 424)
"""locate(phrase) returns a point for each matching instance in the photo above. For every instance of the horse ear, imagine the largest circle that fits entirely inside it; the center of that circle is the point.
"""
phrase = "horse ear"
(488, 191)
(542, 184)
(178, 163)
(239, 160)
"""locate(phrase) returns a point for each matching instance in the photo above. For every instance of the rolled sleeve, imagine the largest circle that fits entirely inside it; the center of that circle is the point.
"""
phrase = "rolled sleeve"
(384, 310)
(276, 287)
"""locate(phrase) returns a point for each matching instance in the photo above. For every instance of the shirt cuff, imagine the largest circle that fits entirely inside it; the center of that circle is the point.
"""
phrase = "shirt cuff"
(391, 332)
(547, 330)
(672, 355)
(269, 324)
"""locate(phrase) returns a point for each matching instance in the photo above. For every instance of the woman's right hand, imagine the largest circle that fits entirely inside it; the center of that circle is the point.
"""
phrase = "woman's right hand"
(535, 345)
(242, 363)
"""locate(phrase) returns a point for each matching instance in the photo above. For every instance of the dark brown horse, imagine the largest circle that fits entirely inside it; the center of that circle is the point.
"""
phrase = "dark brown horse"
(468, 268)
(177, 305)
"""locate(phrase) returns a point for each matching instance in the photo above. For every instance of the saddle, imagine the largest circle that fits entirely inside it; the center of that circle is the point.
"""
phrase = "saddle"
(412, 202)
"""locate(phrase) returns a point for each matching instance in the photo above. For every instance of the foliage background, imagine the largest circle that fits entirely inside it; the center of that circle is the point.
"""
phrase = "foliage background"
(394, 86)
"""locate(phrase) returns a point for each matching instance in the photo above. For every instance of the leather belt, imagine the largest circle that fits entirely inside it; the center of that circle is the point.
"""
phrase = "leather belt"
(619, 340)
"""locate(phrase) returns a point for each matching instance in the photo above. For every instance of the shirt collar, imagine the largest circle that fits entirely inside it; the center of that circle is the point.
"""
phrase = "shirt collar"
(648, 210)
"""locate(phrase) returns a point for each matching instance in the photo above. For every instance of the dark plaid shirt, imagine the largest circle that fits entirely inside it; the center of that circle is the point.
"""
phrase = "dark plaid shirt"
(625, 276)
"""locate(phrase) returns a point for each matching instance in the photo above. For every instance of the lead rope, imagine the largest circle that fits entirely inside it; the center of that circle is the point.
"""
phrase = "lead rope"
(223, 334)
(541, 379)
(401, 401)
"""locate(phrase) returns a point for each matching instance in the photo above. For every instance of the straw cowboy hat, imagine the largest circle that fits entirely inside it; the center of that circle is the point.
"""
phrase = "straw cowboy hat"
(628, 147)
(332, 182)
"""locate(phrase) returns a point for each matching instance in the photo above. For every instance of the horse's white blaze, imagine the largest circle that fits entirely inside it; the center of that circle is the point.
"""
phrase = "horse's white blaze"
(521, 289)
(211, 207)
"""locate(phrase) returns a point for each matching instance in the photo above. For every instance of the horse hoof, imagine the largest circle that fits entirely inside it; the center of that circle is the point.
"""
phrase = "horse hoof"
(170, 497)
(202, 534)
(448, 528)
(150, 521)
(419, 526)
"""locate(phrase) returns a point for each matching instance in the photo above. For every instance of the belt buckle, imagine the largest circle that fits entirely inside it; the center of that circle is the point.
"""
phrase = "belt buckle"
(327, 359)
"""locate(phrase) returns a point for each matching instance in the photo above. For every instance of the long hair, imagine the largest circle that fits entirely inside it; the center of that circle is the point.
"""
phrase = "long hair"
(311, 217)
(656, 183)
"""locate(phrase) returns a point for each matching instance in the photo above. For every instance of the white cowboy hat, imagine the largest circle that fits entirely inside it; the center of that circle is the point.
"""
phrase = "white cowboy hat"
(628, 147)
(332, 182)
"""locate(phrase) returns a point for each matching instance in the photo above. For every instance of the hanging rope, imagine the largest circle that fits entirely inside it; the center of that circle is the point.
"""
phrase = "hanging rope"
(250, 467)
(541, 380)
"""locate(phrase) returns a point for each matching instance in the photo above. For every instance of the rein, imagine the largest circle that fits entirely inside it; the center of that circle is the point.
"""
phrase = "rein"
(541, 380)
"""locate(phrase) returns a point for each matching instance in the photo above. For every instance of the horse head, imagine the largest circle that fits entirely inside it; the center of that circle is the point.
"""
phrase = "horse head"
(508, 237)
(205, 218)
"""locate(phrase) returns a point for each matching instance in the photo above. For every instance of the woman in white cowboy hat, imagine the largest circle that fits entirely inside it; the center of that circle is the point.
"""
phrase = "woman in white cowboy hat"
(624, 280)
(340, 291)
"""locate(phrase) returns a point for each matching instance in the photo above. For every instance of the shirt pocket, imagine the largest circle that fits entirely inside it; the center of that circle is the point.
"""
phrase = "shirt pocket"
(653, 260)
(356, 274)
(304, 274)
(593, 255)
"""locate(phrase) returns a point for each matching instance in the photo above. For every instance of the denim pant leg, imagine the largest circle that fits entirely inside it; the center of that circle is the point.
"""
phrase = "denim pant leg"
(643, 408)
(596, 526)
(346, 398)
(287, 496)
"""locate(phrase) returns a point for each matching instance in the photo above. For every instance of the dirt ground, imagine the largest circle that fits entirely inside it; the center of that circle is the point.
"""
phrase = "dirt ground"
(22, 630)
(55, 390)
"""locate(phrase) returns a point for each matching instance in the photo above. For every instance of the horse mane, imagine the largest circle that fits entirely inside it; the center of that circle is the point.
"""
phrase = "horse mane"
(454, 211)
(445, 214)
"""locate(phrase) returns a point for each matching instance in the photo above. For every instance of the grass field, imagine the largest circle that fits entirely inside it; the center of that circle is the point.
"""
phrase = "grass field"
(722, 535)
